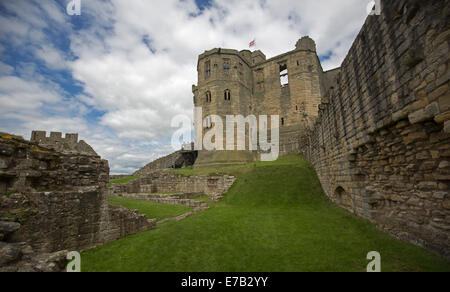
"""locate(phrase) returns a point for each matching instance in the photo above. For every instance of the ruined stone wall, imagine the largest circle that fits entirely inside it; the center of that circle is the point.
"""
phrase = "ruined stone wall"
(176, 199)
(297, 100)
(27, 166)
(177, 159)
(59, 199)
(167, 182)
(381, 146)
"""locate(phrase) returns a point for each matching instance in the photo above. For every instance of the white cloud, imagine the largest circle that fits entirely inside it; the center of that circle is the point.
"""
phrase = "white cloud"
(53, 58)
(136, 61)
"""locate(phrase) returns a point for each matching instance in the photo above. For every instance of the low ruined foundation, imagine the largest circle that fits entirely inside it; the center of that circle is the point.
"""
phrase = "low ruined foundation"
(175, 186)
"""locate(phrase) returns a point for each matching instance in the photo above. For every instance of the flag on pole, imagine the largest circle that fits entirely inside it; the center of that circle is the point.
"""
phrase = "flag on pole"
(252, 44)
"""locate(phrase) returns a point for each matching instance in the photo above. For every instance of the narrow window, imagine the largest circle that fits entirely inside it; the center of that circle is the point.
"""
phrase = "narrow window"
(241, 68)
(296, 107)
(260, 79)
(227, 94)
(282, 121)
(226, 66)
(207, 69)
(284, 79)
(298, 64)
(208, 96)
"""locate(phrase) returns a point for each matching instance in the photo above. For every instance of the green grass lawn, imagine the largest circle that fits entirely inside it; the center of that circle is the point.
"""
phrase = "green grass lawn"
(123, 180)
(152, 210)
(202, 198)
(274, 218)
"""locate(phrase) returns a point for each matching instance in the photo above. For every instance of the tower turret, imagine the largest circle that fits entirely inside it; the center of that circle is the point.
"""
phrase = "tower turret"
(306, 44)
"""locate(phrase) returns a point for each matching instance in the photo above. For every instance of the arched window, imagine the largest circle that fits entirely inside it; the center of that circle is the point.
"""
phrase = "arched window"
(208, 96)
(227, 94)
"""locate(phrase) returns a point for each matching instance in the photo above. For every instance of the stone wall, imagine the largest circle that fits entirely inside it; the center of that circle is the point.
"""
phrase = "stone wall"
(177, 199)
(26, 165)
(59, 199)
(178, 159)
(381, 145)
(167, 182)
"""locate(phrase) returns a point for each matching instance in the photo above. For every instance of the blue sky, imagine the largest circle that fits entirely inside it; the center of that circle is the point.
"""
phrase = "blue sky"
(118, 73)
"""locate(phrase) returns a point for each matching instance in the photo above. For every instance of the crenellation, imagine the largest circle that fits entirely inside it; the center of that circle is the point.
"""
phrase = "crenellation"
(306, 44)
(55, 141)
(41, 137)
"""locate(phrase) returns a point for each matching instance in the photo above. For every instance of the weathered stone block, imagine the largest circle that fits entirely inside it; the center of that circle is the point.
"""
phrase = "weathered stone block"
(443, 117)
(9, 253)
(444, 164)
(447, 127)
(424, 114)
(8, 227)
(444, 103)
(438, 92)
(416, 136)
(6, 149)
(4, 162)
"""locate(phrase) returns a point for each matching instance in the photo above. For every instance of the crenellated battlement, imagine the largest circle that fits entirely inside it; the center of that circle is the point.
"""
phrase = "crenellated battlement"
(53, 138)
(56, 141)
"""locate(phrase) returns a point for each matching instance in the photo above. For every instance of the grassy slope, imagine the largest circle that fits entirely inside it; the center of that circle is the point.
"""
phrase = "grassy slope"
(274, 218)
(152, 210)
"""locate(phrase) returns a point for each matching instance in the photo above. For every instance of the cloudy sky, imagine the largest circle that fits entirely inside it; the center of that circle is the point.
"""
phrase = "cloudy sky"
(118, 73)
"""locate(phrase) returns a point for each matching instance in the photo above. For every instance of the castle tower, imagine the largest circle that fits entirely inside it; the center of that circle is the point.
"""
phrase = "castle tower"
(306, 44)
(225, 84)
(232, 82)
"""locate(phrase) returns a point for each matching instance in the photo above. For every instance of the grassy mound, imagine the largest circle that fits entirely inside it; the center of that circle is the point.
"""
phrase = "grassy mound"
(274, 218)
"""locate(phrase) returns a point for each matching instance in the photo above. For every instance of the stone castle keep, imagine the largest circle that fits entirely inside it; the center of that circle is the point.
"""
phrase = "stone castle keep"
(376, 130)
(245, 83)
